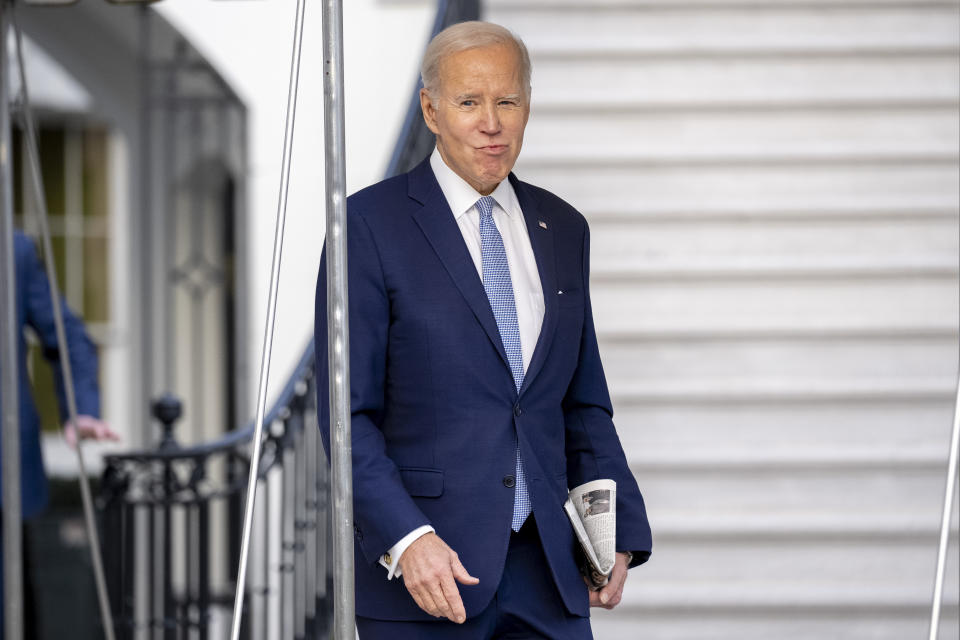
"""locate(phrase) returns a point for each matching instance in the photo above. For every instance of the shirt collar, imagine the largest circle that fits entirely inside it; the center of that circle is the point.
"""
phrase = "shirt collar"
(461, 196)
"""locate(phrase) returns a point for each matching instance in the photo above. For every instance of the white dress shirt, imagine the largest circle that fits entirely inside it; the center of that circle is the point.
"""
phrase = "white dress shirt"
(527, 291)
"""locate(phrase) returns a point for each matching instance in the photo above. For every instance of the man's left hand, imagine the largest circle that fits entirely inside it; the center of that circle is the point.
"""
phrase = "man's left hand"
(610, 595)
(88, 428)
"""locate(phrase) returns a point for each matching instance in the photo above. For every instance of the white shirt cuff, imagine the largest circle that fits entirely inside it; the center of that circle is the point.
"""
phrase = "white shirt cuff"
(391, 559)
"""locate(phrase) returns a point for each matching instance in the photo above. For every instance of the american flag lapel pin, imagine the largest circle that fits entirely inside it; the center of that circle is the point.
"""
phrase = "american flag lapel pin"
(543, 225)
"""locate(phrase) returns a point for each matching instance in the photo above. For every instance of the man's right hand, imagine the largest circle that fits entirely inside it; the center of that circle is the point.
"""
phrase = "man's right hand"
(431, 570)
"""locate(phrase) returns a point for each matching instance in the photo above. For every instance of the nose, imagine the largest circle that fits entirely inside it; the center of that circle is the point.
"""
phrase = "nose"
(490, 120)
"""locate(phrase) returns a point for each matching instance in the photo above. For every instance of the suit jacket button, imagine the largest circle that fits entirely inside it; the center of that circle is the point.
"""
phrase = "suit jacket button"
(509, 481)
(517, 411)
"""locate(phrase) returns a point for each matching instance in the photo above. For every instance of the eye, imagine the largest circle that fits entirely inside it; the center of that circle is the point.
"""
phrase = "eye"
(467, 103)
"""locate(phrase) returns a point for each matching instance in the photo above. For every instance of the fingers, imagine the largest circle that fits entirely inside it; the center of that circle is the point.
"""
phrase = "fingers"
(611, 594)
(70, 435)
(425, 601)
(453, 605)
(438, 599)
(607, 598)
(460, 572)
(595, 599)
(451, 593)
(430, 571)
(434, 593)
(101, 431)
(89, 428)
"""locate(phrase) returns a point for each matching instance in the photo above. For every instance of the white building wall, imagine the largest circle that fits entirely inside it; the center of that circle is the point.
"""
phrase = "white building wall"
(250, 45)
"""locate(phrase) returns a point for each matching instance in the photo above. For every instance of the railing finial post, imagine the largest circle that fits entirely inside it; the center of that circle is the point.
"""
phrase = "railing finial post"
(167, 409)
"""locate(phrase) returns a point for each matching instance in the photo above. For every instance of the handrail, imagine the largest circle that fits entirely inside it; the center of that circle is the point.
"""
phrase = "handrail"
(301, 372)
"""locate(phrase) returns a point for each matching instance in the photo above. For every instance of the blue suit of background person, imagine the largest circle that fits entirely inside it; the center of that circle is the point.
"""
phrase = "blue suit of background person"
(35, 310)
(435, 412)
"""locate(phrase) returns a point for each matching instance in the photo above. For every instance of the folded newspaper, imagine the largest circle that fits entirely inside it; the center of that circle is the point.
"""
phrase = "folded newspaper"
(592, 509)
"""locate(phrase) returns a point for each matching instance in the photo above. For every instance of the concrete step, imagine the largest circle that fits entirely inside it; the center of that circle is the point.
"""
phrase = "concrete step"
(682, 136)
(571, 33)
(784, 597)
(679, 528)
(841, 562)
(825, 487)
(732, 425)
(876, 81)
(718, 303)
(637, 268)
(493, 6)
(641, 362)
(776, 390)
(884, 239)
(749, 622)
(756, 190)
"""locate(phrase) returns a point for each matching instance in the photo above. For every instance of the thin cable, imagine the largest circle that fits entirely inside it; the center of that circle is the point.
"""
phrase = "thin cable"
(64, 347)
(945, 523)
(266, 353)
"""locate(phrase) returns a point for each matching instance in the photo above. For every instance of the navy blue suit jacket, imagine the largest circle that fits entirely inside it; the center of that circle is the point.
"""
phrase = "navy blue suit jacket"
(35, 310)
(435, 413)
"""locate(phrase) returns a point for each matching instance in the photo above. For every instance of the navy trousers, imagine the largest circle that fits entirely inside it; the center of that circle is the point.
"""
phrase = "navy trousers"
(526, 605)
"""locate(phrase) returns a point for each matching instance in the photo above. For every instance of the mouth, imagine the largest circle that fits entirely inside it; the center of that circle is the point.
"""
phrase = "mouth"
(494, 149)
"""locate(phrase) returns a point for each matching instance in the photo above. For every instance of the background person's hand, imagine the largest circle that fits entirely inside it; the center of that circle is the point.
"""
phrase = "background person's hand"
(431, 570)
(87, 428)
(610, 595)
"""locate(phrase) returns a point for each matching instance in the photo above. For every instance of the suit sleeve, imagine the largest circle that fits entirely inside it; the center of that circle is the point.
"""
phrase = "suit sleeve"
(593, 448)
(383, 510)
(82, 352)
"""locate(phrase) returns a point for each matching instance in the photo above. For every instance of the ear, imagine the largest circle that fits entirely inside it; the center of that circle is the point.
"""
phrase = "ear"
(429, 112)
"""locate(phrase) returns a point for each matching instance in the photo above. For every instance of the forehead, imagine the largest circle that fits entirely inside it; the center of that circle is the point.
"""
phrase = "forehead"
(495, 67)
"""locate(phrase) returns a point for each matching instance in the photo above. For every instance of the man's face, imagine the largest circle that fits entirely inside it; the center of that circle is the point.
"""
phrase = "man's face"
(479, 114)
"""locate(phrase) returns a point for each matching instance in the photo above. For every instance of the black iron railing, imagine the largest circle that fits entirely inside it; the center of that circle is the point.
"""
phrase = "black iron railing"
(172, 516)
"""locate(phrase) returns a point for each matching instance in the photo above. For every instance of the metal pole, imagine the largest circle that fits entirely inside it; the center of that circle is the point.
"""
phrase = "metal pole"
(945, 522)
(265, 355)
(30, 140)
(9, 368)
(142, 221)
(338, 336)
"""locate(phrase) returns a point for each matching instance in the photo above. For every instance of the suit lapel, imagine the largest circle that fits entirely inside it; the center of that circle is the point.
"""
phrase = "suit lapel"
(541, 239)
(440, 227)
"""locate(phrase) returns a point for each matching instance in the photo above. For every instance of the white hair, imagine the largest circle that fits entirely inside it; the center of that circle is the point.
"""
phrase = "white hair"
(469, 35)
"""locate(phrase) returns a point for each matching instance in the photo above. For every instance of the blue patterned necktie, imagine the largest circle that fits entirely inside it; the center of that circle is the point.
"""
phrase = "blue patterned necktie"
(499, 287)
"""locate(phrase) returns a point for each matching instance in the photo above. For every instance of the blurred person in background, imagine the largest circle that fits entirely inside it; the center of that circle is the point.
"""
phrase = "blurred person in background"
(34, 309)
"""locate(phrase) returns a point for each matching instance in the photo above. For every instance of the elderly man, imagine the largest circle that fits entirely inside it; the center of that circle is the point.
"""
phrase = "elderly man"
(478, 395)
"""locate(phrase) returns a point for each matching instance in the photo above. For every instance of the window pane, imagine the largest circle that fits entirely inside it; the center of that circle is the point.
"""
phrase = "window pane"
(94, 174)
(96, 290)
(51, 146)
(44, 392)
(59, 257)
(17, 172)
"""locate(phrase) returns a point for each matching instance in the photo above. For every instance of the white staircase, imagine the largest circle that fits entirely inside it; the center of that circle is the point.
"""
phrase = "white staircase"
(772, 187)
